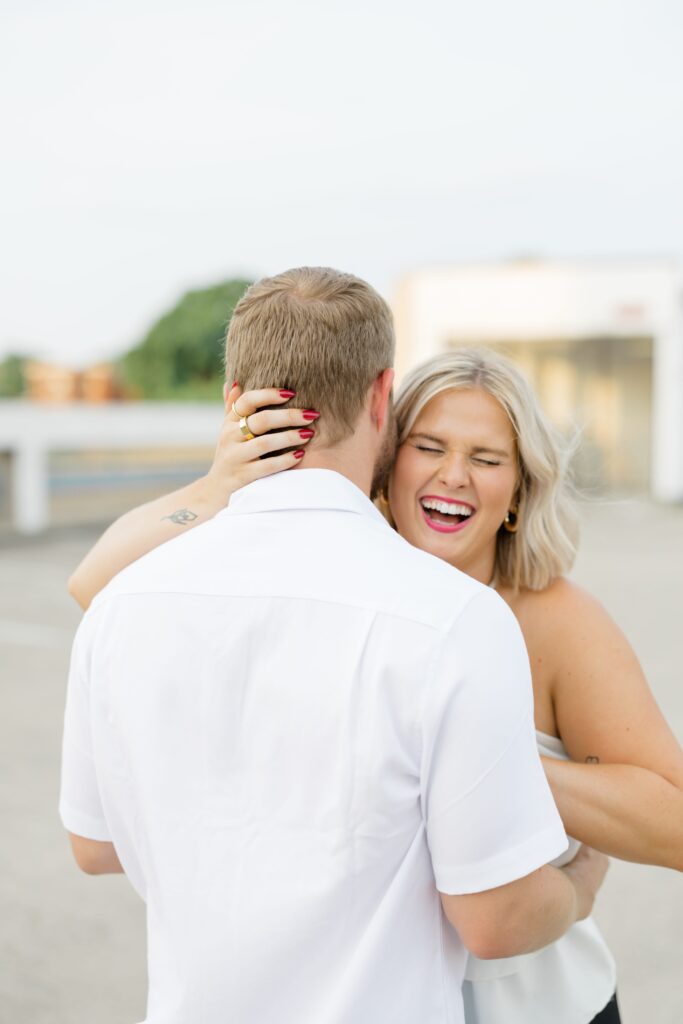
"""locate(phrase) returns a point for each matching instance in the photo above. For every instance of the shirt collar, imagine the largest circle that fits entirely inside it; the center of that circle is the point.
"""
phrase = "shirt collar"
(302, 489)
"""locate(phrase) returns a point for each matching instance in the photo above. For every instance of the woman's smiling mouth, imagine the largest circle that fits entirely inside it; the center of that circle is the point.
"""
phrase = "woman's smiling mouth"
(445, 515)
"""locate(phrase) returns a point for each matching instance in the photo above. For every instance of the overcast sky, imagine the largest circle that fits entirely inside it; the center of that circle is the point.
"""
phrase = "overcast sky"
(153, 147)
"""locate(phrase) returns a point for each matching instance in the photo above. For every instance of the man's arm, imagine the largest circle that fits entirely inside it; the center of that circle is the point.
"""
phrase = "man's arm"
(529, 913)
(80, 804)
(492, 827)
(94, 857)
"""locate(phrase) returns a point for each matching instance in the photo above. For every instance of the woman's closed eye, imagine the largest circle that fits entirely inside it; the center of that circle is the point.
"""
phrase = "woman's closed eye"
(426, 448)
(485, 462)
(478, 459)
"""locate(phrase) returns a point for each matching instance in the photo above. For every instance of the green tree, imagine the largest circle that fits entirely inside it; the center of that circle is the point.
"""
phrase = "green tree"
(181, 356)
(11, 376)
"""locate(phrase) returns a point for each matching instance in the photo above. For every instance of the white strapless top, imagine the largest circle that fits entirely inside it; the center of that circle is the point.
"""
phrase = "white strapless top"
(568, 982)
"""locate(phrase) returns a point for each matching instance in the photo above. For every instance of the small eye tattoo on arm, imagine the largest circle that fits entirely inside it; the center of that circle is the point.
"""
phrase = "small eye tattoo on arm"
(181, 516)
(592, 759)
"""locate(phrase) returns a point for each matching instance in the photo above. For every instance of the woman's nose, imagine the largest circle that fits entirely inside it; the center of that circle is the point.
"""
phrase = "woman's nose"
(454, 471)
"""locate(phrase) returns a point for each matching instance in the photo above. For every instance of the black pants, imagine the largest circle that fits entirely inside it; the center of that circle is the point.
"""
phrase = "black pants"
(610, 1015)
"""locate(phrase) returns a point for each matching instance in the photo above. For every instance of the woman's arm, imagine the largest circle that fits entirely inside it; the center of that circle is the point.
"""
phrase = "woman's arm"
(624, 811)
(237, 462)
(624, 793)
(139, 531)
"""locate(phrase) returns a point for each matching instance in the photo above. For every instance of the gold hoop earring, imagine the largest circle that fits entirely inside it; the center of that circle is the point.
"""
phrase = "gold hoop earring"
(511, 521)
(382, 500)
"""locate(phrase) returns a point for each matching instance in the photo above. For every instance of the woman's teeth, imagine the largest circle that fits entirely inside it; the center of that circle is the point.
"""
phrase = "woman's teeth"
(447, 508)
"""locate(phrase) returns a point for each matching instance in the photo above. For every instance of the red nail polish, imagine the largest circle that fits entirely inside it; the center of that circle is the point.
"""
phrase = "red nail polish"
(287, 394)
(306, 433)
(299, 454)
(310, 414)
(234, 384)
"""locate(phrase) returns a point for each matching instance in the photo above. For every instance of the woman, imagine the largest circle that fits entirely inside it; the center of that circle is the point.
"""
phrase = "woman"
(480, 481)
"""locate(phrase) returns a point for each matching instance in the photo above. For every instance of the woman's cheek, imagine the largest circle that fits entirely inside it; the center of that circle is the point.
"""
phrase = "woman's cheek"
(498, 494)
(399, 481)
(400, 498)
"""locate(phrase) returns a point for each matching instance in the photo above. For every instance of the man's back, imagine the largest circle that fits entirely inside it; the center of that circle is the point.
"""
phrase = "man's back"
(289, 743)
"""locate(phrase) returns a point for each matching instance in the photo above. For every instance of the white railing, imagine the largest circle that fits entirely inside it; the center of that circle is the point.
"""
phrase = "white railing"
(29, 431)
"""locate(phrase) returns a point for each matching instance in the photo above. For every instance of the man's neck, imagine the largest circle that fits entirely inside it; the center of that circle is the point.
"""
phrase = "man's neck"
(342, 459)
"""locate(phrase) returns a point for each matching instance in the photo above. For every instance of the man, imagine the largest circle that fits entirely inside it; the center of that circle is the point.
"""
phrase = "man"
(309, 745)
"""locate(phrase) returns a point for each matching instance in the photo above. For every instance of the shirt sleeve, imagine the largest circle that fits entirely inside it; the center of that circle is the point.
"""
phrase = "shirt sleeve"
(80, 806)
(489, 813)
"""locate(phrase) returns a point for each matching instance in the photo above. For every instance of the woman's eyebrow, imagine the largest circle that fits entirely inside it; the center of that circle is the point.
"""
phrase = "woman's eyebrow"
(491, 451)
(428, 437)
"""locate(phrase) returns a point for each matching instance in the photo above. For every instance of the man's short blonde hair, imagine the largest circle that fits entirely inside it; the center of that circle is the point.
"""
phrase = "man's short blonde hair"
(322, 333)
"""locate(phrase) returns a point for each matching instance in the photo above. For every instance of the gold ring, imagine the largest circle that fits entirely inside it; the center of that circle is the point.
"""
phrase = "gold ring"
(244, 427)
(234, 409)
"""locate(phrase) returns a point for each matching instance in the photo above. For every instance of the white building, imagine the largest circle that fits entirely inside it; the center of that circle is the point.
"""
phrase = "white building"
(601, 340)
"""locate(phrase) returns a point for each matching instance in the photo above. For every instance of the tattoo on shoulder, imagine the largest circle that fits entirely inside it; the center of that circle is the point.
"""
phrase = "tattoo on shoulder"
(181, 516)
(592, 759)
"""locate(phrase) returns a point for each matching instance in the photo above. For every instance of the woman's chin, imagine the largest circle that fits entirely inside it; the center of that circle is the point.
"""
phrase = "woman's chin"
(445, 544)
(454, 547)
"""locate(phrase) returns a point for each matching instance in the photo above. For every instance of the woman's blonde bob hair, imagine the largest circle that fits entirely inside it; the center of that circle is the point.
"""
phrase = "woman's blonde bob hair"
(544, 546)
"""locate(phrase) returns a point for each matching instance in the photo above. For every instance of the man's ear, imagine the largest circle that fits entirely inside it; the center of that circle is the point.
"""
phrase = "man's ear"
(381, 395)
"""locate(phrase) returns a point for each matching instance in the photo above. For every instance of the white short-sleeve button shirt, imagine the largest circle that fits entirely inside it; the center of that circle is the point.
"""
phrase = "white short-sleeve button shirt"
(295, 728)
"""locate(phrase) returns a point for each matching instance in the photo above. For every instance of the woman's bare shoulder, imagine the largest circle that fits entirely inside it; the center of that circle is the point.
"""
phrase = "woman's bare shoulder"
(562, 602)
(560, 618)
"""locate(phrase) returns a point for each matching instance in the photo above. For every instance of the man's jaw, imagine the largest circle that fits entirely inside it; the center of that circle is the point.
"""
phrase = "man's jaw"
(386, 456)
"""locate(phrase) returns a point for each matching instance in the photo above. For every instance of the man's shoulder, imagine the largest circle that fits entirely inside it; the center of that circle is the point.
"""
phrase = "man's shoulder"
(355, 560)
(162, 569)
(421, 586)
